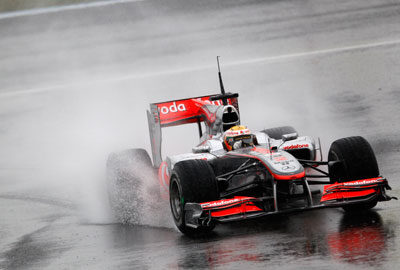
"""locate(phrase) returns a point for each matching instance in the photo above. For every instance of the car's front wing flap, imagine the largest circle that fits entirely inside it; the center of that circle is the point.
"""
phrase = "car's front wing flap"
(354, 190)
(241, 207)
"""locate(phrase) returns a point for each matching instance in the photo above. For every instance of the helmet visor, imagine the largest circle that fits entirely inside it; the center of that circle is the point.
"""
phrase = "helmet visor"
(247, 140)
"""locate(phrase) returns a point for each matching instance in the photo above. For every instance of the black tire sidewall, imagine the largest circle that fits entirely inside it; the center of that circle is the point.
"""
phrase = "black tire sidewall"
(180, 222)
(196, 183)
(358, 160)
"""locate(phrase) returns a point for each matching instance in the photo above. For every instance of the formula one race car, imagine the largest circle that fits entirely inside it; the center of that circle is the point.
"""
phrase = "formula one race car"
(234, 174)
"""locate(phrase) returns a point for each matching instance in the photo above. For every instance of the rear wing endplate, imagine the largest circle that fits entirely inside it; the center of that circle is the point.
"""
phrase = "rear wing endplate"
(180, 112)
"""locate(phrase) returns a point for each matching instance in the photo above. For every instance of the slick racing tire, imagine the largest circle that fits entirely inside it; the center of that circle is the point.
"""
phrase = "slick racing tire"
(191, 181)
(358, 161)
(127, 172)
(276, 133)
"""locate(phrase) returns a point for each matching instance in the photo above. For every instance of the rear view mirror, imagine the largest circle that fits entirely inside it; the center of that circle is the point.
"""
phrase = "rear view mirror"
(201, 149)
(289, 137)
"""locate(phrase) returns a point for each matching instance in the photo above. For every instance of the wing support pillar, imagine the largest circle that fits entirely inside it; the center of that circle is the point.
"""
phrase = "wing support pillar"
(307, 192)
(274, 183)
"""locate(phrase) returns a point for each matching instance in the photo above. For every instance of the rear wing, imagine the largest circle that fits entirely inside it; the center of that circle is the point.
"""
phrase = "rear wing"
(183, 111)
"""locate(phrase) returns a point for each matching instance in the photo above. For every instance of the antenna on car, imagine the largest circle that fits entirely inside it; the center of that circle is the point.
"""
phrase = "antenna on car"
(221, 84)
(223, 96)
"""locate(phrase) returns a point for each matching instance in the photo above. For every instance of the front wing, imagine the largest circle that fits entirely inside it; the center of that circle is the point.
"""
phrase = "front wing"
(241, 207)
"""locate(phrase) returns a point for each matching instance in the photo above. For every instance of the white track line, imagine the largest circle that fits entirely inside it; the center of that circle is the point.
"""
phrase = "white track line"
(317, 52)
(55, 9)
(199, 68)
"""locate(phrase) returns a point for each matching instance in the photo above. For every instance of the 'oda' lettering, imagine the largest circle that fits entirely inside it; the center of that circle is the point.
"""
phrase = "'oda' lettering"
(173, 108)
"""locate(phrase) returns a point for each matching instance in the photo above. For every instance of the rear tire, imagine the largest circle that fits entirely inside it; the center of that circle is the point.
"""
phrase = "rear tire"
(126, 173)
(358, 161)
(276, 133)
(191, 181)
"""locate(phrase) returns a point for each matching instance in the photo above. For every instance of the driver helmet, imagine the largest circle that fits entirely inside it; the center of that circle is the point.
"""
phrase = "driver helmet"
(237, 137)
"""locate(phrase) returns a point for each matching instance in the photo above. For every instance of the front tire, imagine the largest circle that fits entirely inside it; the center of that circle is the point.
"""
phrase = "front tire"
(357, 161)
(191, 181)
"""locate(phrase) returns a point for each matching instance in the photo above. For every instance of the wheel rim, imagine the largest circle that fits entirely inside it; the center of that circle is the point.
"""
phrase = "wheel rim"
(176, 201)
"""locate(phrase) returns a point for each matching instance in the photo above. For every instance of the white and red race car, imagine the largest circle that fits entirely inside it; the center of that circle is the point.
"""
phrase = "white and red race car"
(212, 185)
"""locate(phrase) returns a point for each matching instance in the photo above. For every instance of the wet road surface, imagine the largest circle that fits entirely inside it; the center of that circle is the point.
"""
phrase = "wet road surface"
(75, 85)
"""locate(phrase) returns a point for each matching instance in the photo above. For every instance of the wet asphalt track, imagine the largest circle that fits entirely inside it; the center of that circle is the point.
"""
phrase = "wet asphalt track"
(75, 85)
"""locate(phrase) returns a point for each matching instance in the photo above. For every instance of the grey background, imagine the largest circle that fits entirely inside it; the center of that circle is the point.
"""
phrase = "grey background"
(75, 85)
